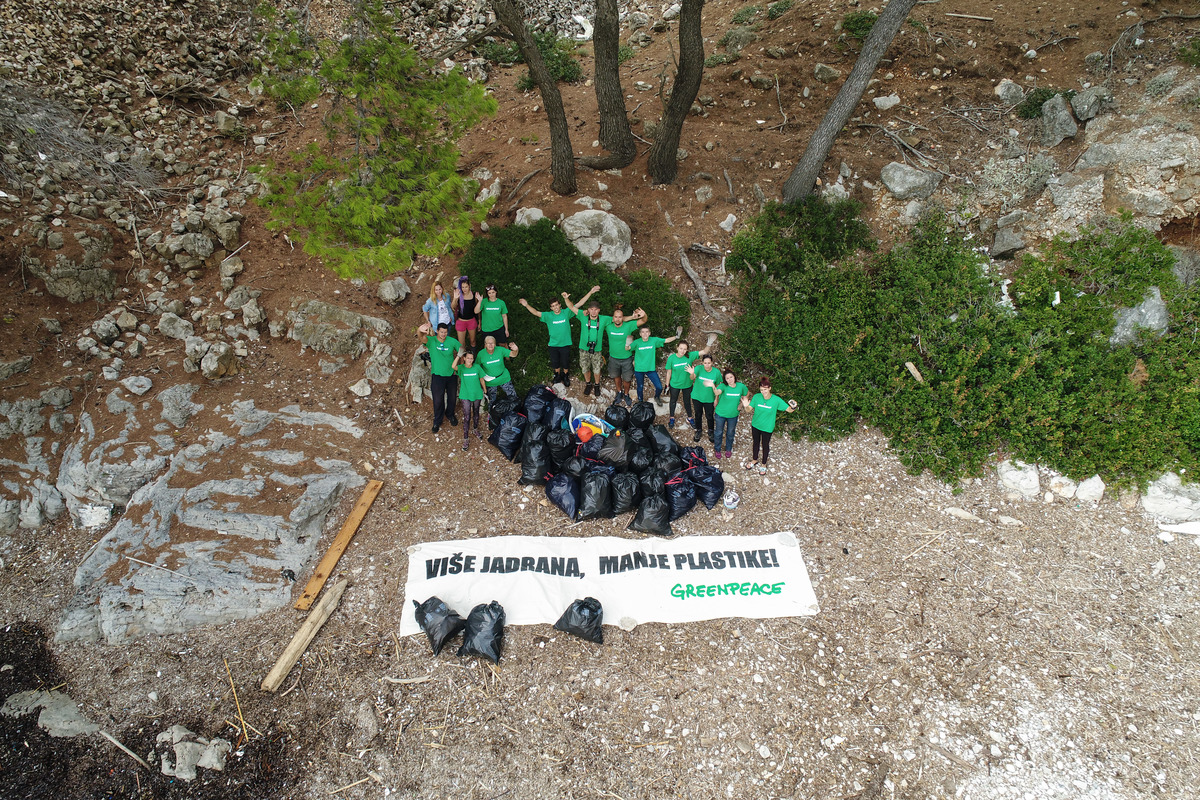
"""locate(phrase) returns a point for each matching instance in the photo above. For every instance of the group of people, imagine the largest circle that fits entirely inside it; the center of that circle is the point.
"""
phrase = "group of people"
(463, 375)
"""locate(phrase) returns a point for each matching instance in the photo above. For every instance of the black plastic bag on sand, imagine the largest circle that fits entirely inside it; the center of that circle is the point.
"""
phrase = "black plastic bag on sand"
(595, 496)
(591, 448)
(639, 438)
(507, 436)
(663, 441)
(653, 482)
(485, 632)
(534, 432)
(537, 402)
(641, 460)
(560, 411)
(667, 463)
(616, 452)
(693, 457)
(626, 493)
(439, 622)
(561, 445)
(503, 406)
(653, 516)
(641, 415)
(709, 485)
(575, 466)
(563, 491)
(681, 495)
(535, 462)
(585, 619)
(617, 416)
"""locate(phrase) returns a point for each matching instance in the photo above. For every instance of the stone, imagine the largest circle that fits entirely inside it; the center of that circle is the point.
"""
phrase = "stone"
(1090, 102)
(884, 103)
(638, 19)
(528, 216)
(126, 321)
(488, 193)
(177, 405)
(393, 291)
(77, 281)
(704, 193)
(362, 388)
(1151, 314)
(105, 329)
(763, 82)
(961, 513)
(253, 314)
(1170, 498)
(237, 298)
(137, 384)
(672, 12)
(905, 182)
(52, 326)
(1057, 122)
(825, 73)
(334, 330)
(601, 236)
(378, 368)
(727, 223)
(22, 364)
(592, 202)
(56, 396)
(1187, 264)
(777, 52)
(1009, 93)
(174, 326)
(1006, 243)
(1010, 521)
(231, 267)
(44, 504)
(219, 362)
(1010, 219)
(225, 123)
(1019, 477)
(182, 752)
(1091, 490)
(1063, 487)
(420, 378)
(59, 716)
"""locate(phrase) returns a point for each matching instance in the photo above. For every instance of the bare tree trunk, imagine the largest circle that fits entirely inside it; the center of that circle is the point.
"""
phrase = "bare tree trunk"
(662, 164)
(804, 176)
(562, 158)
(615, 134)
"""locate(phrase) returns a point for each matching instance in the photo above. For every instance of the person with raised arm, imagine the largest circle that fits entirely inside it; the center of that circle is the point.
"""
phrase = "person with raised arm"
(470, 391)
(645, 358)
(493, 315)
(466, 311)
(496, 377)
(679, 380)
(442, 381)
(591, 338)
(705, 378)
(762, 424)
(558, 324)
(730, 392)
(620, 357)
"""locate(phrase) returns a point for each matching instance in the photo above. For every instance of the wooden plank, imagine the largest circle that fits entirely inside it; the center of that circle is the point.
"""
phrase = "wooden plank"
(340, 543)
(304, 637)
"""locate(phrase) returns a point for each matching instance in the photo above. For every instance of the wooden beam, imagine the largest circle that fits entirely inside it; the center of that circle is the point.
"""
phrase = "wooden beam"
(304, 637)
(340, 543)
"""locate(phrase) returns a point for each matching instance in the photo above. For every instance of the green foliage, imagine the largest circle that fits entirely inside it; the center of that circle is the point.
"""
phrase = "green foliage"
(717, 59)
(777, 10)
(1031, 106)
(1190, 52)
(287, 70)
(1041, 383)
(501, 52)
(736, 39)
(385, 187)
(559, 55)
(859, 23)
(744, 15)
(624, 53)
(538, 263)
(783, 237)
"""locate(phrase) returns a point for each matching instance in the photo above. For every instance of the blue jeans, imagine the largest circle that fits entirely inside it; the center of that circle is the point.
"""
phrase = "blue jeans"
(653, 376)
(726, 425)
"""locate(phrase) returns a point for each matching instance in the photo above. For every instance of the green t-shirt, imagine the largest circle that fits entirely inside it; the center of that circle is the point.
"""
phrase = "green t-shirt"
(494, 371)
(560, 327)
(617, 334)
(592, 330)
(441, 355)
(702, 391)
(469, 387)
(765, 410)
(491, 314)
(646, 353)
(727, 405)
(677, 370)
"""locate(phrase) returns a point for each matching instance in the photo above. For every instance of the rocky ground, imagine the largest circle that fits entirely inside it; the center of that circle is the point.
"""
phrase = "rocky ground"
(190, 405)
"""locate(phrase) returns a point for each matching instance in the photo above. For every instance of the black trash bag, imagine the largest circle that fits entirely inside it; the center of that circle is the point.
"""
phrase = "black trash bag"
(585, 619)
(534, 432)
(616, 452)
(561, 445)
(535, 462)
(508, 434)
(626, 493)
(591, 448)
(667, 463)
(641, 415)
(559, 412)
(600, 466)
(653, 516)
(537, 402)
(693, 457)
(681, 495)
(653, 483)
(563, 491)
(639, 438)
(595, 495)
(503, 406)
(484, 636)
(641, 460)
(439, 622)
(575, 466)
(708, 483)
(617, 416)
(663, 441)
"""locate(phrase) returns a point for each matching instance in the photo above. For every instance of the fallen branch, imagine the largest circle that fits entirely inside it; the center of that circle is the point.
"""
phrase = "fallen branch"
(300, 642)
(406, 681)
(521, 183)
(700, 290)
(703, 248)
(1112, 51)
(495, 29)
(237, 702)
(125, 749)
(971, 16)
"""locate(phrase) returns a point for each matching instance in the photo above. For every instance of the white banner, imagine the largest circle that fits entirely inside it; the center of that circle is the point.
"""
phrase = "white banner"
(636, 580)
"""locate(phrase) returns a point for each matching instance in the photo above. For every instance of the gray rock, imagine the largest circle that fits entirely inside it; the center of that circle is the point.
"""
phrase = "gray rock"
(126, 321)
(763, 82)
(638, 19)
(672, 12)
(231, 267)
(52, 326)
(600, 236)
(181, 752)
(420, 378)
(727, 223)
(1171, 499)
(237, 298)
(219, 362)
(905, 182)
(704, 193)
(393, 291)
(57, 396)
(1019, 477)
(528, 216)
(177, 405)
(1150, 314)
(253, 314)
(9, 514)
(1091, 490)
(106, 330)
(43, 505)
(1009, 93)
(225, 123)
(59, 715)
(1010, 219)
(54, 240)
(378, 368)
(1057, 122)
(116, 404)
(1090, 102)
(825, 73)
(1006, 243)
(174, 326)
(1187, 264)
(137, 384)
(10, 368)
(884, 103)
(362, 388)
(334, 330)
(77, 281)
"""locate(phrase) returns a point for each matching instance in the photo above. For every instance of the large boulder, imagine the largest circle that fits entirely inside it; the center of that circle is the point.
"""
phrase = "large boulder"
(1057, 122)
(905, 182)
(1088, 103)
(1151, 314)
(334, 330)
(600, 236)
(393, 291)
(1169, 498)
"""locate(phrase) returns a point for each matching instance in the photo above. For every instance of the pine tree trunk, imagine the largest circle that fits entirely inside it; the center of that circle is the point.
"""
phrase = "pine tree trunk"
(562, 158)
(804, 176)
(615, 134)
(662, 164)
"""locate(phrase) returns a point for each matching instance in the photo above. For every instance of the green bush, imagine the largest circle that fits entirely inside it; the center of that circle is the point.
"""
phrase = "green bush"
(783, 236)
(777, 10)
(559, 55)
(744, 15)
(624, 53)
(717, 59)
(538, 263)
(859, 23)
(502, 53)
(1190, 52)
(1031, 106)
(290, 58)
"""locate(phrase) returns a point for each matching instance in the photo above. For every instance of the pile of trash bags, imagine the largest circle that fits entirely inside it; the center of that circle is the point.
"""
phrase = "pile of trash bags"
(598, 468)
(483, 629)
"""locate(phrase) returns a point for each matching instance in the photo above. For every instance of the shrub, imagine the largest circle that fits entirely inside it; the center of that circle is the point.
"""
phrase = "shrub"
(777, 10)
(503, 53)
(624, 53)
(717, 59)
(290, 58)
(538, 263)
(784, 235)
(1190, 52)
(859, 23)
(744, 15)
(559, 55)
(1031, 106)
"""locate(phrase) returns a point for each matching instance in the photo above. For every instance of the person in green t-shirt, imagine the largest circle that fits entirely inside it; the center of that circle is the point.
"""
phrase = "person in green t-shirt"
(679, 380)
(762, 423)
(493, 315)
(496, 377)
(470, 391)
(591, 339)
(442, 382)
(705, 378)
(645, 358)
(620, 357)
(558, 323)
(729, 394)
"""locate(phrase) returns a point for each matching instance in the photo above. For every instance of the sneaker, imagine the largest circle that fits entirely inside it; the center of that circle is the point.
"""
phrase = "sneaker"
(691, 422)
(657, 395)
(466, 442)
(762, 469)
(728, 454)
(479, 436)
(671, 422)
(587, 390)
(437, 428)
(717, 454)
(696, 438)
(712, 438)
(567, 381)
(453, 421)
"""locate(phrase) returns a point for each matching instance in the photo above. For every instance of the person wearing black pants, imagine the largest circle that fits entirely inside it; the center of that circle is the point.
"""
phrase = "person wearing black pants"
(443, 383)
(705, 378)
(764, 406)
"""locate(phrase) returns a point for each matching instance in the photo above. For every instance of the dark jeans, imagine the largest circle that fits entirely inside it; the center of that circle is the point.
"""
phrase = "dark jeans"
(445, 394)
(687, 399)
(726, 426)
(494, 391)
(765, 438)
(641, 380)
(703, 410)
